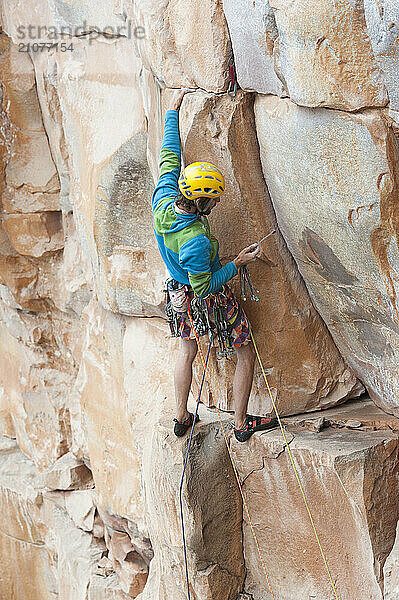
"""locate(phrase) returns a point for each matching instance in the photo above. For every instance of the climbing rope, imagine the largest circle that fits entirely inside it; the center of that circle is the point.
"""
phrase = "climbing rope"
(244, 502)
(184, 470)
(205, 365)
(295, 469)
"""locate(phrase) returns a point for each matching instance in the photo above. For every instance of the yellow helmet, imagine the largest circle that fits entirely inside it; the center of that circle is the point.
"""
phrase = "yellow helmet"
(201, 179)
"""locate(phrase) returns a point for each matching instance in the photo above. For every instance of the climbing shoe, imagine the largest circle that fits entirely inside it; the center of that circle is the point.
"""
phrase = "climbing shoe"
(253, 424)
(181, 428)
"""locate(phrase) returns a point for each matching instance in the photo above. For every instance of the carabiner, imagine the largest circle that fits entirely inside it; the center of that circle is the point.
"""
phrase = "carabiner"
(232, 90)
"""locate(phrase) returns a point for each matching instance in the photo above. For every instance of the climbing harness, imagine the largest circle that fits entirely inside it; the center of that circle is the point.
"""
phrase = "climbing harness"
(205, 365)
(207, 314)
(232, 89)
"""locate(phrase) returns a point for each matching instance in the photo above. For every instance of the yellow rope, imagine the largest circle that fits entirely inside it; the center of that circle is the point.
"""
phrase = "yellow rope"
(295, 469)
(291, 459)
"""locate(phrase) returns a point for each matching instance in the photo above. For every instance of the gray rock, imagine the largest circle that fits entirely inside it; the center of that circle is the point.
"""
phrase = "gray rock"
(383, 29)
(333, 182)
(253, 32)
(350, 479)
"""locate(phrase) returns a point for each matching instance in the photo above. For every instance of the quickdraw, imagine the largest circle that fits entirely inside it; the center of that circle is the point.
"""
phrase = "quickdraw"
(245, 280)
(223, 331)
(232, 89)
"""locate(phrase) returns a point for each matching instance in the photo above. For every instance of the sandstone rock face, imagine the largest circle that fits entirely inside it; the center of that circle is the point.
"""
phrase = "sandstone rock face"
(89, 466)
(105, 588)
(336, 54)
(67, 473)
(37, 371)
(47, 19)
(391, 586)
(356, 468)
(52, 534)
(125, 453)
(34, 234)
(21, 539)
(30, 225)
(211, 505)
(111, 182)
(180, 50)
(114, 404)
(344, 239)
(324, 56)
(253, 31)
(218, 129)
(382, 25)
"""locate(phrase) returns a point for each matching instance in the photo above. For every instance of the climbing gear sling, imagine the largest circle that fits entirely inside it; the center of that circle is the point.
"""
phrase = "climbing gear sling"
(208, 315)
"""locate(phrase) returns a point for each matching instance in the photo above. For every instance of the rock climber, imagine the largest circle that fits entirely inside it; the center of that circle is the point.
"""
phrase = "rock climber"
(180, 203)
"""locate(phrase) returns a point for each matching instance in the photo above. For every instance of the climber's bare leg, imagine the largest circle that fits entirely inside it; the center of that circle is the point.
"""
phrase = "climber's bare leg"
(183, 376)
(242, 383)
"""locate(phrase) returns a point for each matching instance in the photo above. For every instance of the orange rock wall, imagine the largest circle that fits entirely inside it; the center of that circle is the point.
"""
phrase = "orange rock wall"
(89, 466)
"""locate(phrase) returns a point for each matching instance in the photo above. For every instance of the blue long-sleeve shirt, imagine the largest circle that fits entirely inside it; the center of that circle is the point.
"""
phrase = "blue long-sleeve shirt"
(189, 251)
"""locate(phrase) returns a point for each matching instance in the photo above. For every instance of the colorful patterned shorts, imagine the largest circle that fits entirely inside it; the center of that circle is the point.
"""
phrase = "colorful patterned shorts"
(233, 313)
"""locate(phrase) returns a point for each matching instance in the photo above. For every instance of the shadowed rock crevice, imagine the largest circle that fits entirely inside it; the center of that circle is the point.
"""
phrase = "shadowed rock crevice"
(387, 232)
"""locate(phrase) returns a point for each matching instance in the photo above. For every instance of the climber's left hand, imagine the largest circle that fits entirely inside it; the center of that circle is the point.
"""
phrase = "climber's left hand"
(177, 98)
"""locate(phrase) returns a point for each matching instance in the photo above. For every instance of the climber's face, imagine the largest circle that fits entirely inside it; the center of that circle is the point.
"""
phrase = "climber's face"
(205, 205)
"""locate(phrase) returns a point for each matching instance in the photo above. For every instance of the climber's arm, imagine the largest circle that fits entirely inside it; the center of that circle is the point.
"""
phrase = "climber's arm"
(169, 159)
(195, 257)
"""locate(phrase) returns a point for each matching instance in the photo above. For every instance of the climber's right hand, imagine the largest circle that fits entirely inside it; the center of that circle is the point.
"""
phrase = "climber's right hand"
(247, 255)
